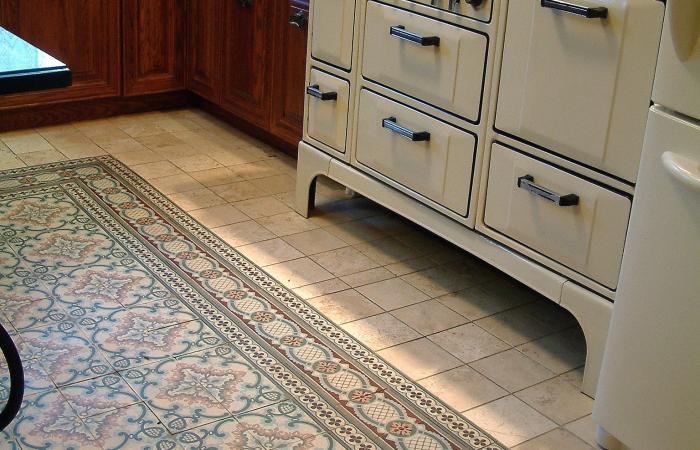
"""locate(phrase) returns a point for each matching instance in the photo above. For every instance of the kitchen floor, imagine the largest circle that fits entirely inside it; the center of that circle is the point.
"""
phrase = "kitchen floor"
(508, 359)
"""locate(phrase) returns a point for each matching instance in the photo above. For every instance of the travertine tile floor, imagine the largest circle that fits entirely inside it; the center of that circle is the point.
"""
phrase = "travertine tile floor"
(510, 360)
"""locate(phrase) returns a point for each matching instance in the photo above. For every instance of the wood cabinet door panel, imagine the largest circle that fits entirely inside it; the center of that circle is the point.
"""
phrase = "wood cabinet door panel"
(247, 33)
(204, 67)
(289, 70)
(153, 46)
(84, 34)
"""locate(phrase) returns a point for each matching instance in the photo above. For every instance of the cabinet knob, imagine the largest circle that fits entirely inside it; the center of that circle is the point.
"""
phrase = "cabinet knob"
(299, 19)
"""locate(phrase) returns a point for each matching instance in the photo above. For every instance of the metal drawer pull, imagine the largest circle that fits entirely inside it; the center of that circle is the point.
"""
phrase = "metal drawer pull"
(527, 182)
(400, 32)
(599, 12)
(315, 91)
(415, 136)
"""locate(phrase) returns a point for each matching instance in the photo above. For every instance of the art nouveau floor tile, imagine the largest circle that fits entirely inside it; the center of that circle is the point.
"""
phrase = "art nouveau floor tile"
(131, 428)
(47, 421)
(27, 309)
(36, 380)
(173, 391)
(139, 338)
(99, 395)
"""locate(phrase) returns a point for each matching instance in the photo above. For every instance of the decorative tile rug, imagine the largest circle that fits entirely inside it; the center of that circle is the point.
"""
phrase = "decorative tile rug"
(141, 329)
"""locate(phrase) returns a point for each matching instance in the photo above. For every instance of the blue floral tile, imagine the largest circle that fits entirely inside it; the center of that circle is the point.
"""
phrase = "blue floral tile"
(281, 427)
(46, 421)
(8, 442)
(65, 354)
(36, 380)
(26, 314)
(99, 395)
(171, 389)
(131, 428)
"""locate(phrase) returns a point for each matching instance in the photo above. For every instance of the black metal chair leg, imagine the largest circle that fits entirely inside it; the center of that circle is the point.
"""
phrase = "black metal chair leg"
(14, 365)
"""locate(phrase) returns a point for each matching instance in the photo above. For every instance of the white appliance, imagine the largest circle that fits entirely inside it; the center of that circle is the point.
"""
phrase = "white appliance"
(649, 391)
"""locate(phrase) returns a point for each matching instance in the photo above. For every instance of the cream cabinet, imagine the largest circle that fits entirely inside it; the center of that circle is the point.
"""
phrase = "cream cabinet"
(577, 77)
(477, 9)
(332, 29)
(327, 106)
(438, 63)
(430, 157)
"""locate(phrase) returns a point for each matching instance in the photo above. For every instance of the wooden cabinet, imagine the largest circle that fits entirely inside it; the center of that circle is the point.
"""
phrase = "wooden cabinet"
(83, 34)
(153, 46)
(246, 59)
(203, 47)
(289, 69)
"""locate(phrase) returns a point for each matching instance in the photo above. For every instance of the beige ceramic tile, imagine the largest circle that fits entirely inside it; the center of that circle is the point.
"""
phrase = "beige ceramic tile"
(419, 359)
(235, 192)
(529, 322)
(156, 141)
(218, 216)
(429, 317)
(176, 183)
(355, 232)
(558, 439)
(343, 261)
(196, 163)
(557, 399)
(10, 161)
(254, 170)
(392, 294)
(299, 272)
(197, 199)
(345, 306)
(386, 251)
(182, 151)
(231, 157)
(243, 233)
(120, 146)
(585, 428)
(270, 252)
(311, 291)
(512, 370)
(486, 299)
(410, 266)
(25, 141)
(574, 377)
(560, 352)
(157, 169)
(463, 388)
(65, 137)
(85, 150)
(367, 277)
(510, 420)
(215, 177)
(381, 331)
(469, 342)
(441, 280)
(42, 157)
(135, 158)
(314, 241)
(286, 223)
(275, 184)
(263, 207)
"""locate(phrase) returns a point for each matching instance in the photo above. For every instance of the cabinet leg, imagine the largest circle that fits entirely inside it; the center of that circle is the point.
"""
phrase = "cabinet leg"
(607, 441)
(311, 163)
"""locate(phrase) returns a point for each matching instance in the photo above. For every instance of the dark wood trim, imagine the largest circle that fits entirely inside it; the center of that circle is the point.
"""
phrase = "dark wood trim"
(58, 113)
(245, 126)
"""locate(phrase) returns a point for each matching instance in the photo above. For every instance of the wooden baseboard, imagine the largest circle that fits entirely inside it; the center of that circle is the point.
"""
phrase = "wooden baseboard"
(289, 148)
(34, 116)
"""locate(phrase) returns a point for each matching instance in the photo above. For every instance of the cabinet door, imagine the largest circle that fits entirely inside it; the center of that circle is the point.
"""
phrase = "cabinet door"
(82, 34)
(247, 34)
(153, 46)
(204, 34)
(289, 68)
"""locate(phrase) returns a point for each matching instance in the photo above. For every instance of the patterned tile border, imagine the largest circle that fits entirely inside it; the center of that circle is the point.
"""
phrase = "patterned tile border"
(362, 400)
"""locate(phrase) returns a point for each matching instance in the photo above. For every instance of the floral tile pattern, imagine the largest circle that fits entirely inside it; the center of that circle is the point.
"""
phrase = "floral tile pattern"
(141, 329)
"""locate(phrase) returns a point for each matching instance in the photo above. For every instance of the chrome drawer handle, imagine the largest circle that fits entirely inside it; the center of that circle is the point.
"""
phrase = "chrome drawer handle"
(315, 91)
(416, 136)
(527, 182)
(400, 32)
(599, 12)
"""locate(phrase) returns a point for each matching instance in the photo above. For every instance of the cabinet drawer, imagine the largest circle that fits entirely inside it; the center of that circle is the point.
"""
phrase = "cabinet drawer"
(579, 86)
(587, 236)
(327, 106)
(482, 12)
(437, 164)
(332, 31)
(446, 69)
